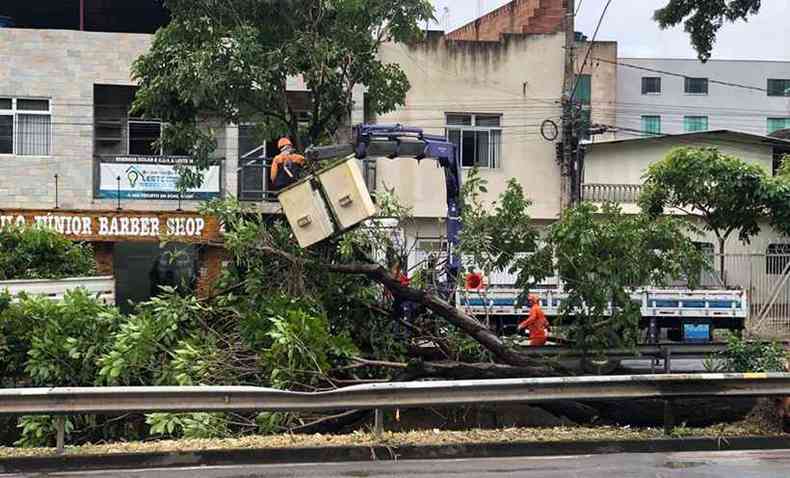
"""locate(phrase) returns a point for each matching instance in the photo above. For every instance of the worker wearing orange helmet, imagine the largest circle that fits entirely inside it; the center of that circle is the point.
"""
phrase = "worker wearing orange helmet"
(536, 323)
(286, 166)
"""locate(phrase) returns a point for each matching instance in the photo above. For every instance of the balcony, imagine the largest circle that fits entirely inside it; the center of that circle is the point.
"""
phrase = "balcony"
(618, 193)
(254, 183)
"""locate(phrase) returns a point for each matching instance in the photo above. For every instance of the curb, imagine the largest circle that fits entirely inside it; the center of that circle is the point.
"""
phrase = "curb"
(269, 456)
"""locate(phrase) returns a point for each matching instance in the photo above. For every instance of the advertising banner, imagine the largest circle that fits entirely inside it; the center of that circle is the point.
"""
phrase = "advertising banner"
(153, 177)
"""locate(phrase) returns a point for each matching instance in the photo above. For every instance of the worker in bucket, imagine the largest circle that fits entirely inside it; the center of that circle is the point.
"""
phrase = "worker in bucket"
(286, 166)
(536, 323)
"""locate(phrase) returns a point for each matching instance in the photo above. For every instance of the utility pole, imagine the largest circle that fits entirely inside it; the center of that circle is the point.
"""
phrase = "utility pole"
(568, 113)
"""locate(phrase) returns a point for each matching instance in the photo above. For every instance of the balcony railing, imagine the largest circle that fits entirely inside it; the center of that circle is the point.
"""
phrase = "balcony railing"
(620, 193)
(254, 184)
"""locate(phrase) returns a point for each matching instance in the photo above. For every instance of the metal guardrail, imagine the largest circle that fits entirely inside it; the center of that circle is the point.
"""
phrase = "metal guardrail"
(104, 400)
(102, 286)
(111, 400)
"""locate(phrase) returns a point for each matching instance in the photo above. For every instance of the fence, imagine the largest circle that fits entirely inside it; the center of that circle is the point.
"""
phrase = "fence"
(764, 278)
(103, 287)
(112, 400)
(621, 193)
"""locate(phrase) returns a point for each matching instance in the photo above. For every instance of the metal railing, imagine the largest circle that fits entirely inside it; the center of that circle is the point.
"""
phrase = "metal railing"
(110, 400)
(621, 193)
(254, 184)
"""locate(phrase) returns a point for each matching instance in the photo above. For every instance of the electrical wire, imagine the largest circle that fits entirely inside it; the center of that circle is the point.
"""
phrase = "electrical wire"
(587, 55)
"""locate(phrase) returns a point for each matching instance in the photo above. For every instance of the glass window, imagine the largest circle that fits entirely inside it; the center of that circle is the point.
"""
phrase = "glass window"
(775, 124)
(25, 127)
(651, 85)
(32, 105)
(6, 134)
(695, 123)
(477, 137)
(584, 89)
(778, 87)
(696, 86)
(461, 120)
(142, 135)
(651, 125)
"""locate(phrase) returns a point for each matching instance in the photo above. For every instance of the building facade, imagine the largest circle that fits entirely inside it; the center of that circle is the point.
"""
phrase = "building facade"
(669, 96)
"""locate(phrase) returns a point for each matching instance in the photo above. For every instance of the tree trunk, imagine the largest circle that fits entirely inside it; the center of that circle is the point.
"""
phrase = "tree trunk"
(721, 262)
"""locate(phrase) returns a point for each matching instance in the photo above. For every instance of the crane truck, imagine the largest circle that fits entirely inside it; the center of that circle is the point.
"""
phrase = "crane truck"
(687, 315)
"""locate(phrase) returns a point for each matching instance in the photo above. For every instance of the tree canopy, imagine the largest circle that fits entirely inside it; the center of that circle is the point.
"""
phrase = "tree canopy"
(231, 61)
(724, 191)
(702, 19)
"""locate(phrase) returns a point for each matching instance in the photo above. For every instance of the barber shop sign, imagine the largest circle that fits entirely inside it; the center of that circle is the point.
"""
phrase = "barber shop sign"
(119, 226)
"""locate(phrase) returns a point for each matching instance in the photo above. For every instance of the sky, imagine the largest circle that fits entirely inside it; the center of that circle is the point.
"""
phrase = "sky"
(629, 22)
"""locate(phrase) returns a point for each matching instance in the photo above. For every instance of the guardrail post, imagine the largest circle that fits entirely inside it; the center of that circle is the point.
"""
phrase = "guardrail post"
(669, 417)
(667, 360)
(60, 438)
(378, 422)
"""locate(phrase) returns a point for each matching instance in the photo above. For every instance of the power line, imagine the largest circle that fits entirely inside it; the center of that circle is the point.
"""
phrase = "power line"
(681, 75)
(589, 49)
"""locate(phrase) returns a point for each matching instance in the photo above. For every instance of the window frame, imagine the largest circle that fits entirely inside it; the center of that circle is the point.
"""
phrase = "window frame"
(785, 120)
(645, 132)
(687, 120)
(494, 163)
(686, 83)
(651, 93)
(131, 120)
(14, 113)
(785, 91)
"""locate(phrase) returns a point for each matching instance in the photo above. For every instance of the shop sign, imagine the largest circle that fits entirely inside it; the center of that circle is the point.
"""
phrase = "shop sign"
(152, 177)
(120, 225)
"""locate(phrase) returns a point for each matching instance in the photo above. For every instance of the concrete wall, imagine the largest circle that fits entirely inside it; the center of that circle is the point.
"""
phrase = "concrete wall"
(63, 66)
(626, 162)
(519, 78)
(726, 107)
(603, 81)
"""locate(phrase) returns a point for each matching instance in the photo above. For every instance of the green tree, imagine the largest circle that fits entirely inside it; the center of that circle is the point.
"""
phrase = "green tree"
(230, 61)
(40, 253)
(602, 256)
(702, 19)
(726, 193)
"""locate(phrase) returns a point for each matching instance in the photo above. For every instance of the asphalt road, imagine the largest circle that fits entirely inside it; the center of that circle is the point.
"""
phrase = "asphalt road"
(762, 464)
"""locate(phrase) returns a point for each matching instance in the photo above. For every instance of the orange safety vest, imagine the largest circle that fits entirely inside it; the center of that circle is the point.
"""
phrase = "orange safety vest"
(284, 159)
(536, 323)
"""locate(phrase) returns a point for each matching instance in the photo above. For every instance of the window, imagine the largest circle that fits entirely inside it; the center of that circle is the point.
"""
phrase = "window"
(142, 134)
(584, 89)
(477, 137)
(776, 258)
(651, 85)
(25, 126)
(778, 87)
(695, 123)
(651, 125)
(775, 124)
(253, 173)
(696, 86)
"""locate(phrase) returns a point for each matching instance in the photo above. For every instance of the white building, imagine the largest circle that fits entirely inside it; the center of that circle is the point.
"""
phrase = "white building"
(679, 96)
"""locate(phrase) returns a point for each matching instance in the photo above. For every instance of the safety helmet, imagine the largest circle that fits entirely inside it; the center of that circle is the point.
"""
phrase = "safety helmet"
(283, 143)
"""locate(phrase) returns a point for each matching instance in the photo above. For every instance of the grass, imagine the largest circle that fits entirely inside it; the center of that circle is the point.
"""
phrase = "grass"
(390, 439)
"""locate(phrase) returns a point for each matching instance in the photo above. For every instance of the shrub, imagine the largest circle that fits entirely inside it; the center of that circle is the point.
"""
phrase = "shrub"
(40, 253)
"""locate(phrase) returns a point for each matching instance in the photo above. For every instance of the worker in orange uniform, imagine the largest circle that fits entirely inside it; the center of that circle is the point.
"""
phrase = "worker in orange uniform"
(536, 323)
(286, 166)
